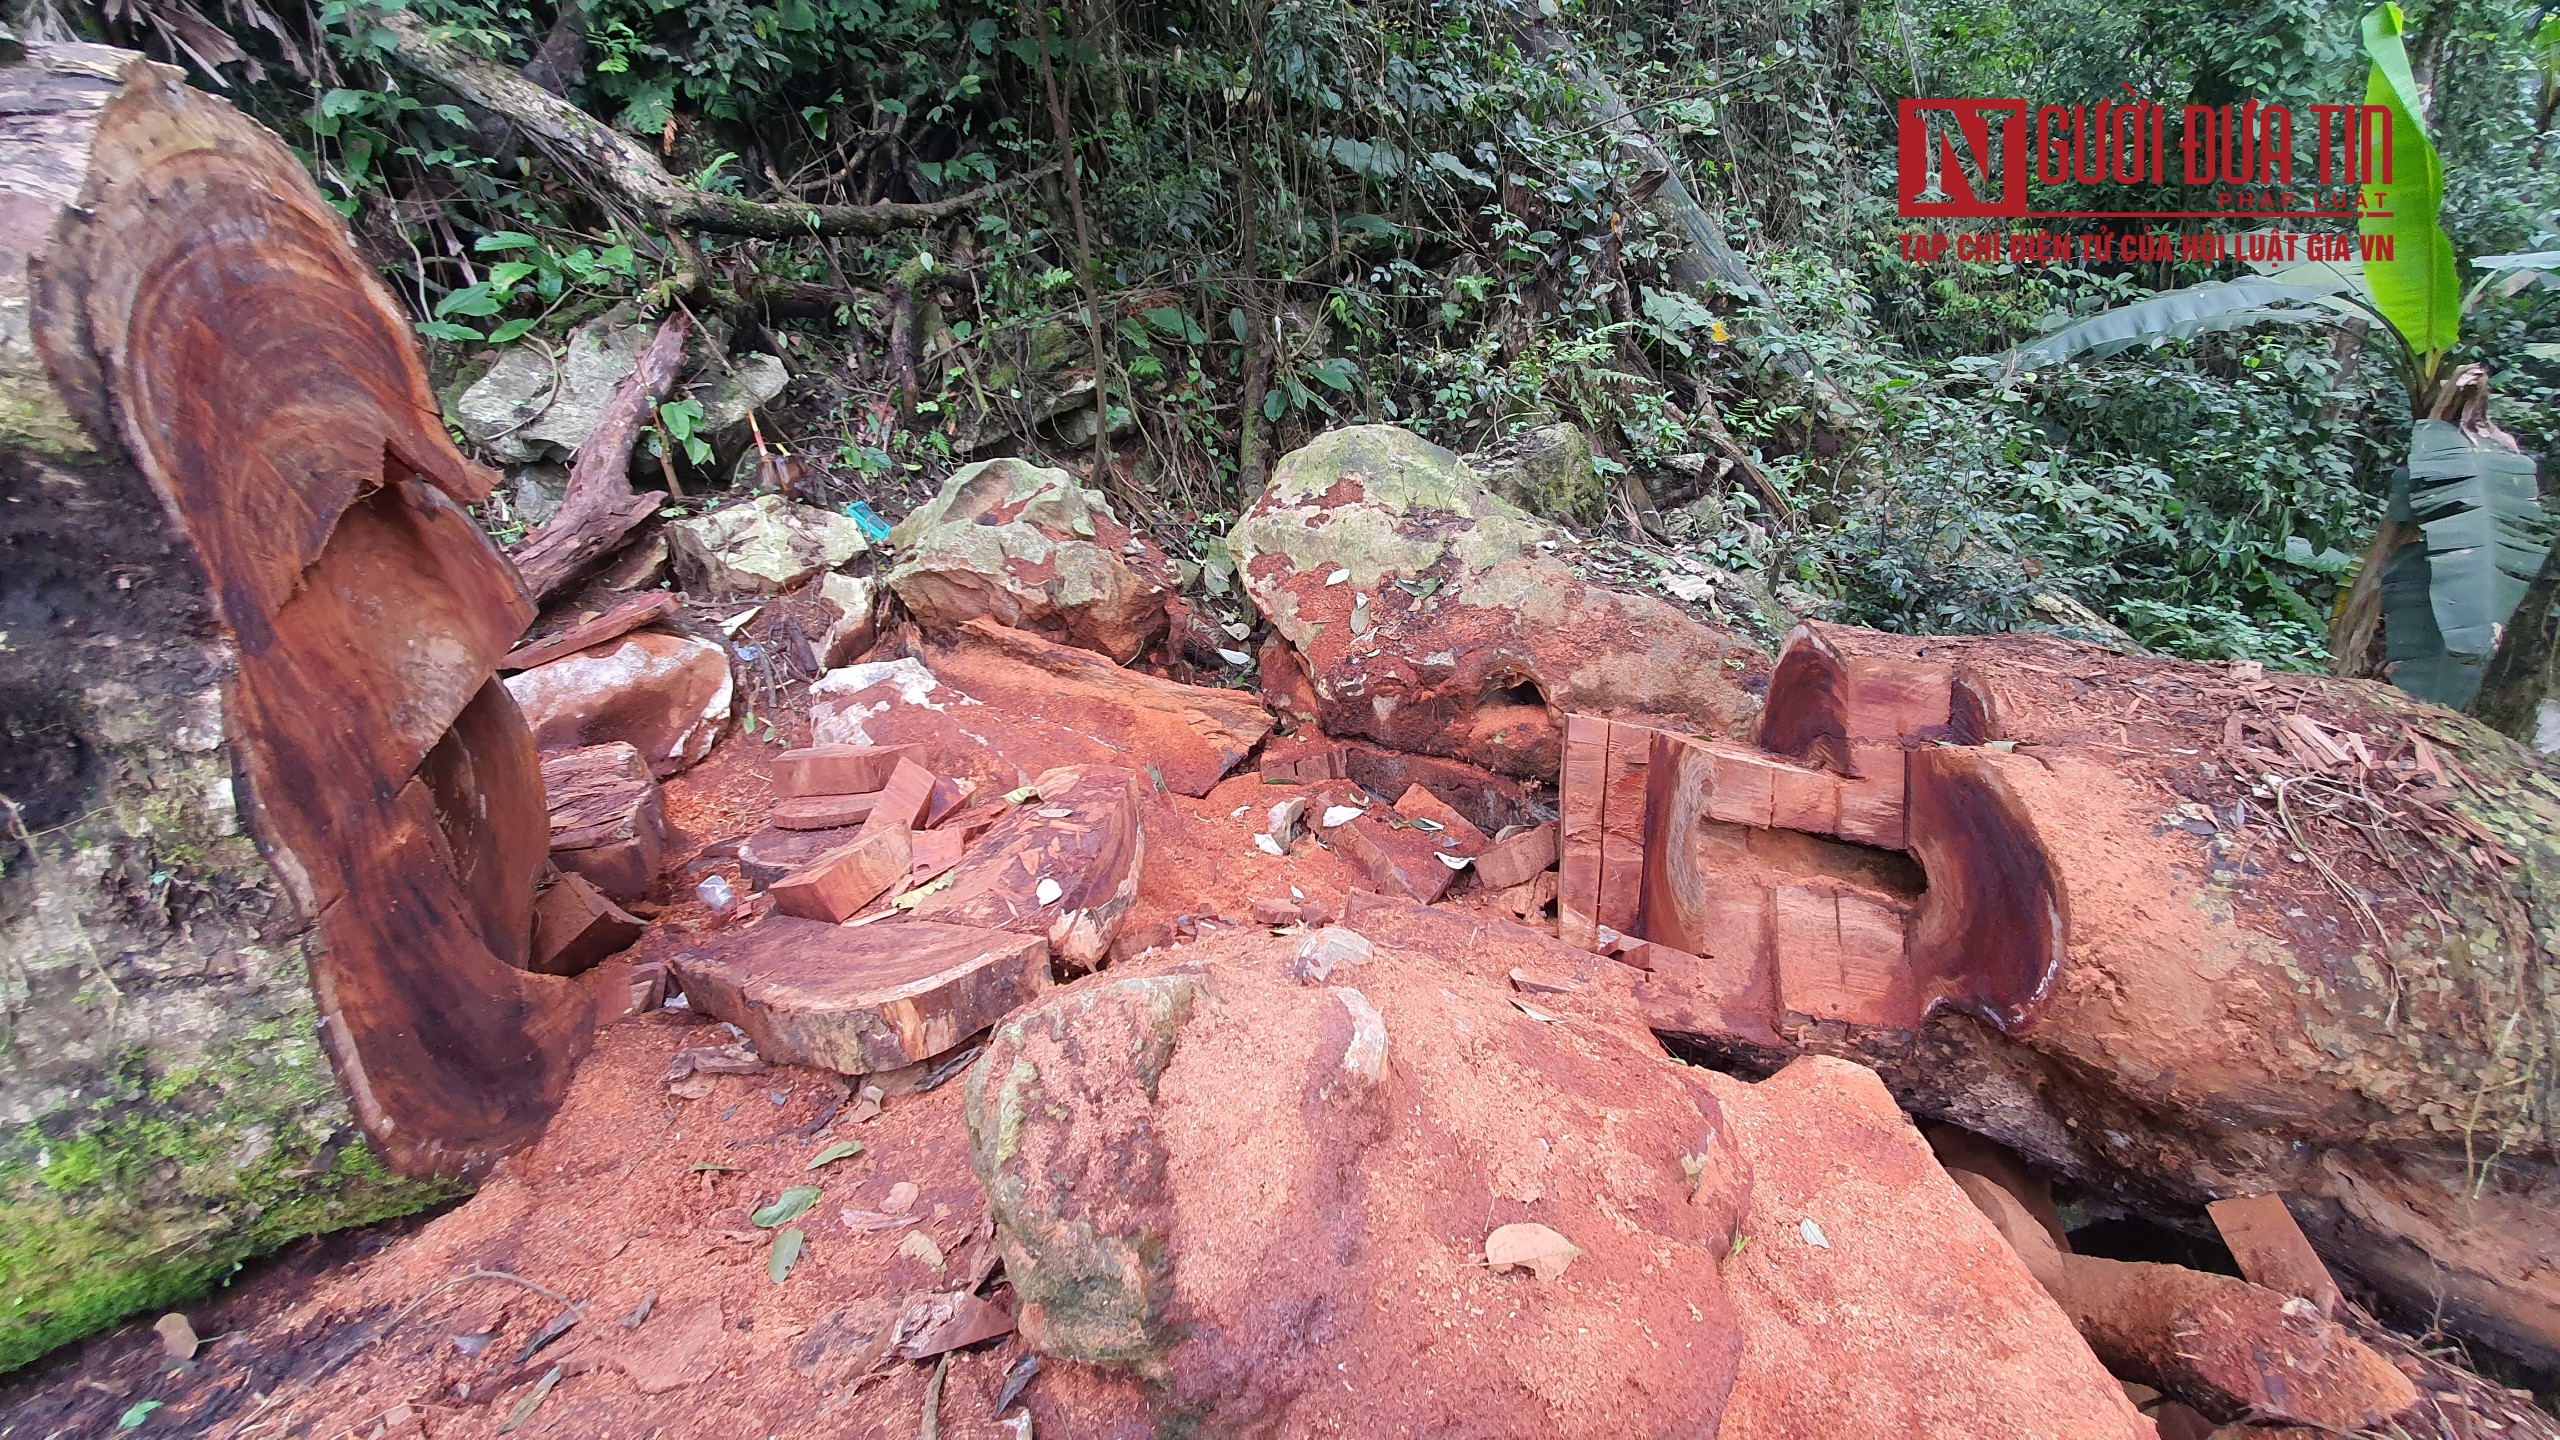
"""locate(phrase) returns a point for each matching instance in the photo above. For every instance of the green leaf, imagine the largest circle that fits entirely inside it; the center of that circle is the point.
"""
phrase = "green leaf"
(786, 1253)
(2444, 597)
(1336, 374)
(2177, 315)
(841, 1150)
(2417, 288)
(1170, 321)
(1023, 796)
(141, 1411)
(789, 1206)
(447, 330)
(510, 332)
(699, 1169)
(505, 274)
(1274, 405)
(472, 300)
(2484, 525)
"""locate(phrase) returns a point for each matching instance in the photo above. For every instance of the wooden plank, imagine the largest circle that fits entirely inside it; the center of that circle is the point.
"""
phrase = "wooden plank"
(822, 812)
(903, 800)
(575, 927)
(839, 769)
(2272, 1250)
(1518, 860)
(1622, 827)
(1873, 804)
(1582, 789)
(835, 886)
(1742, 787)
(862, 998)
(1084, 837)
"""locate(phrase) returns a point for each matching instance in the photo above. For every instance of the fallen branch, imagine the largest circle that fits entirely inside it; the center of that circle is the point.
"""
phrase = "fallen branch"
(627, 166)
(599, 508)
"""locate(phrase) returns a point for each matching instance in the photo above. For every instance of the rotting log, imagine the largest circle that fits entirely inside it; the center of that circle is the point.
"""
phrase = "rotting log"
(2179, 931)
(271, 829)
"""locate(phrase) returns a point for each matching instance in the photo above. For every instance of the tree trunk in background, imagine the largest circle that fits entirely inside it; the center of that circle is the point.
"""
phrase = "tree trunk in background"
(2520, 694)
(268, 857)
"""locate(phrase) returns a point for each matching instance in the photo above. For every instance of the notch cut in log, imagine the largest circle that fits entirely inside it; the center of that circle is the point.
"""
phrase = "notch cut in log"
(608, 820)
(223, 456)
(1685, 853)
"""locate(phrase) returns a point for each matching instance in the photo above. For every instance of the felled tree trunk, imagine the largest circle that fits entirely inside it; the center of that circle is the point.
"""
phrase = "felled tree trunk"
(271, 829)
(2180, 931)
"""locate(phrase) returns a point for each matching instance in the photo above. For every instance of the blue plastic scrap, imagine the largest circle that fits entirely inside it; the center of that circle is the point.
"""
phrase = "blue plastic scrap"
(874, 529)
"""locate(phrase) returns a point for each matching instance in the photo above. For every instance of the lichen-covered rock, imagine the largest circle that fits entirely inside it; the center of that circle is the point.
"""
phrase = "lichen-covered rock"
(764, 547)
(1431, 617)
(665, 695)
(1031, 549)
(1547, 471)
(1234, 1202)
(530, 406)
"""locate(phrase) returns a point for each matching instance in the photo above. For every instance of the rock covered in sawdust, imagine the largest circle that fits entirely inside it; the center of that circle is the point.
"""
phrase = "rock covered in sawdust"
(1000, 706)
(665, 695)
(1874, 1299)
(1031, 549)
(763, 547)
(1245, 1204)
(1430, 618)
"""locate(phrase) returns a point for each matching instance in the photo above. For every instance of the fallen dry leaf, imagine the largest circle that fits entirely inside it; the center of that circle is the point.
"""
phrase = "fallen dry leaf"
(1531, 1247)
(919, 1246)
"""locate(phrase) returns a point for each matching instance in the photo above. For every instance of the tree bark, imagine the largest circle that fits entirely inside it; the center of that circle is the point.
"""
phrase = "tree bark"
(267, 806)
(626, 165)
(2523, 678)
(598, 508)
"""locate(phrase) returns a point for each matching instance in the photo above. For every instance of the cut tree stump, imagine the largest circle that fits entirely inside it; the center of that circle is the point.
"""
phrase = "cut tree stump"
(835, 886)
(839, 769)
(608, 821)
(863, 998)
(260, 632)
(575, 927)
(1081, 843)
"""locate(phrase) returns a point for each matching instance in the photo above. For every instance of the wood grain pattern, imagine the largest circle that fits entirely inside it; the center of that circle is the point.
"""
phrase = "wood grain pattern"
(1084, 834)
(200, 304)
(863, 998)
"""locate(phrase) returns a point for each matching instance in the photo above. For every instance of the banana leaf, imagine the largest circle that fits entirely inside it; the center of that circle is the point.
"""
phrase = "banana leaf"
(2417, 289)
(2444, 599)
(2177, 315)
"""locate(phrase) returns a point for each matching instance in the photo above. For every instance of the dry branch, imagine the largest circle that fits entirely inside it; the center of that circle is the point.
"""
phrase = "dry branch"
(599, 508)
(626, 164)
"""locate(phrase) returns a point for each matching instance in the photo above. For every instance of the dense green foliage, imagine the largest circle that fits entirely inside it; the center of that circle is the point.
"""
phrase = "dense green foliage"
(1415, 213)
